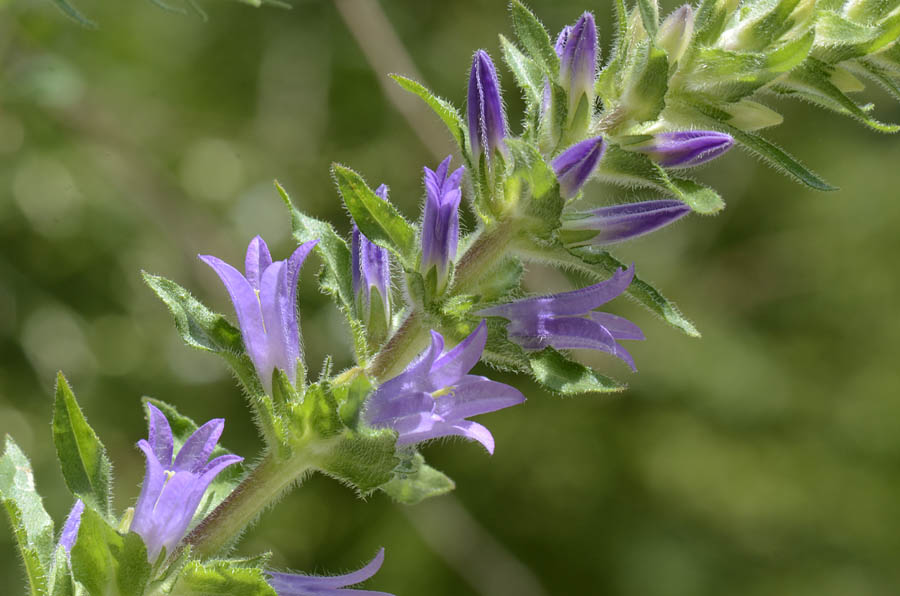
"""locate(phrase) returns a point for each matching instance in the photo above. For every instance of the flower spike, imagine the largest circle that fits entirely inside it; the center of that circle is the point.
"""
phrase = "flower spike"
(487, 122)
(172, 489)
(608, 225)
(296, 584)
(265, 301)
(687, 148)
(435, 394)
(440, 224)
(568, 321)
(575, 165)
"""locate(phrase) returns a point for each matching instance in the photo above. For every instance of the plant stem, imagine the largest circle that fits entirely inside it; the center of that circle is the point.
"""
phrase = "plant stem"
(262, 487)
(407, 341)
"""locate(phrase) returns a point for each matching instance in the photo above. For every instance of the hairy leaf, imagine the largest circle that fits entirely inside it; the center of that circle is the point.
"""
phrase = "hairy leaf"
(559, 374)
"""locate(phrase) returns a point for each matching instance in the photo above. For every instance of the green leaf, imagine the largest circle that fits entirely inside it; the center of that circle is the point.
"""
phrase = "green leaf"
(710, 20)
(649, 15)
(701, 199)
(526, 71)
(377, 219)
(839, 39)
(414, 481)
(337, 278)
(646, 83)
(443, 108)
(182, 428)
(106, 562)
(222, 578)
(558, 374)
(881, 76)
(30, 522)
(365, 459)
(317, 414)
(812, 81)
(535, 39)
(82, 457)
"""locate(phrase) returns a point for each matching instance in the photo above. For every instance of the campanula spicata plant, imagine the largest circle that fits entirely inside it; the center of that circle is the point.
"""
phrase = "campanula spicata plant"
(668, 95)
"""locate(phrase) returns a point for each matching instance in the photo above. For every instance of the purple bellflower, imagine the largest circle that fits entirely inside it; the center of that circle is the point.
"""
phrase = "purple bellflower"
(172, 489)
(70, 528)
(575, 165)
(266, 305)
(577, 50)
(686, 148)
(440, 224)
(434, 395)
(608, 225)
(487, 122)
(295, 584)
(567, 320)
(371, 270)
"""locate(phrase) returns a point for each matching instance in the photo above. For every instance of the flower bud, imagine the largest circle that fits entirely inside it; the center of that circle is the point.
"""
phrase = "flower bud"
(686, 148)
(575, 165)
(371, 271)
(487, 122)
(608, 225)
(440, 224)
(577, 49)
(750, 115)
(675, 33)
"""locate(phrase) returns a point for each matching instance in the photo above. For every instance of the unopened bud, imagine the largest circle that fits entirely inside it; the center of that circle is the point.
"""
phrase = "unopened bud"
(676, 31)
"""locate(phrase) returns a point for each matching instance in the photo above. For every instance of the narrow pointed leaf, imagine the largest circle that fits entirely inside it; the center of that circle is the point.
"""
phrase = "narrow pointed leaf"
(558, 374)
(649, 15)
(82, 457)
(222, 578)
(443, 108)
(377, 219)
(105, 562)
(534, 38)
(527, 73)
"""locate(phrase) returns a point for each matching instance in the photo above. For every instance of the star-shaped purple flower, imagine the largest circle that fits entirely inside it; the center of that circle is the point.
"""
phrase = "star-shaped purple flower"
(434, 395)
(568, 320)
(296, 584)
(266, 305)
(172, 489)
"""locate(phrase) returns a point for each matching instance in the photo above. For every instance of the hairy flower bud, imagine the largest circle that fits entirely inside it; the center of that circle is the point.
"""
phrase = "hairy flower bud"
(575, 165)
(608, 225)
(675, 33)
(577, 50)
(687, 148)
(372, 276)
(487, 122)
(440, 224)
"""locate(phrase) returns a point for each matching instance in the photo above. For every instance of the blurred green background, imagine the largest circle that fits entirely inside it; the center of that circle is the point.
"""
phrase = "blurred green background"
(763, 459)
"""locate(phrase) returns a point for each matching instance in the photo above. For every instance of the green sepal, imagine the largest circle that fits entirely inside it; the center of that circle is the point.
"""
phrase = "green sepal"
(535, 39)
(363, 459)
(260, 561)
(839, 39)
(164, 582)
(710, 19)
(222, 578)
(542, 204)
(106, 562)
(812, 81)
(646, 82)
(337, 276)
(443, 108)
(32, 526)
(649, 15)
(61, 581)
(182, 428)
(701, 199)
(558, 374)
(768, 151)
(414, 481)
(377, 219)
(316, 416)
(527, 73)
(764, 27)
(82, 457)
(350, 396)
(881, 76)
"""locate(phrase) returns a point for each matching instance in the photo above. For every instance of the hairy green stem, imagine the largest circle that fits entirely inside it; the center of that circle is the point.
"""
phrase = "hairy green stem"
(262, 487)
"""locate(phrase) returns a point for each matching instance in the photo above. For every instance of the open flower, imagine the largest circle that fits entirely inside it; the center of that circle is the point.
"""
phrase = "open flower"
(266, 305)
(568, 320)
(296, 584)
(371, 271)
(608, 225)
(172, 489)
(440, 224)
(434, 395)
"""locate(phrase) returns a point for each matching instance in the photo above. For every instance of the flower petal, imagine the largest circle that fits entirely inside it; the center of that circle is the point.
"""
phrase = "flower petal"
(291, 584)
(619, 327)
(451, 366)
(257, 260)
(160, 436)
(386, 409)
(196, 450)
(70, 527)
(475, 395)
(579, 333)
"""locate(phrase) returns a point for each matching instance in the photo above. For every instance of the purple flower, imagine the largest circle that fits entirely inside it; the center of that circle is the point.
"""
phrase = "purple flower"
(434, 395)
(686, 148)
(577, 50)
(295, 584)
(172, 490)
(621, 222)
(440, 225)
(70, 528)
(266, 305)
(575, 165)
(566, 321)
(371, 270)
(487, 122)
